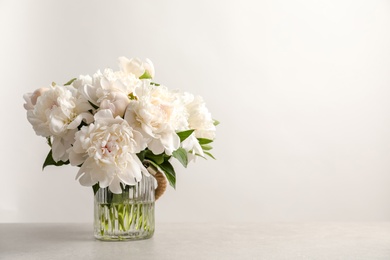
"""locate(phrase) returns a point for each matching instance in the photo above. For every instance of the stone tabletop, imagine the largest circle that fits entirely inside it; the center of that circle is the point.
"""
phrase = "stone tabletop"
(202, 241)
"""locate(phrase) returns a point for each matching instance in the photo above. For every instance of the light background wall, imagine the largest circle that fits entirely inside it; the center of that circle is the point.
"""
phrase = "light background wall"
(301, 89)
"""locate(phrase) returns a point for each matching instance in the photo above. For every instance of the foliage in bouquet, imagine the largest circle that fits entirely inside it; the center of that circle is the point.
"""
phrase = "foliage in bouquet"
(113, 123)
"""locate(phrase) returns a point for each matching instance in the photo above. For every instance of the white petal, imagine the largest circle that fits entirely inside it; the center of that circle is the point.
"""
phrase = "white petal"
(155, 146)
(140, 164)
(127, 176)
(57, 125)
(122, 62)
(103, 178)
(86, 180)
(136, 170)
(171, 142)
(130, 115)
(58, 149)
(103, 114)
(81, 171)
(76, 122)
(89, 92)
(148, 130)
(132, 66)
(140, 141)
(87, 117)
(149, 67)
(77, 158)
(77, 147)
(115, 186)
(28, 105)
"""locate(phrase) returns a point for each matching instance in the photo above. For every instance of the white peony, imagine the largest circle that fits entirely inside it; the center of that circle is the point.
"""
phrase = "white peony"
(31, 98)
(107, 151)
(136, 67)
(200, 120)
(56, 114)
(156, 113)
(199, 117)
(108, 90)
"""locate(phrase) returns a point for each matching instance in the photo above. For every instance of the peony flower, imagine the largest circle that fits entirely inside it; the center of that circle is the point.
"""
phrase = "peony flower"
(156, 114)
(56, 114)
(107, 151)
(199, 118)
(31, 98)
(108, 90)
(116, 101)
(136, 67)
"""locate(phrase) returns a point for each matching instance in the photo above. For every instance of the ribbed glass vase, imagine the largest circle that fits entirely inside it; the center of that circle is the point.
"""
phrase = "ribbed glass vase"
(126, 216)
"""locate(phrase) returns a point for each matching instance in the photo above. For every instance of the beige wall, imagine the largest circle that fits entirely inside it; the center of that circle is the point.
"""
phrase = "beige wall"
(301, 88)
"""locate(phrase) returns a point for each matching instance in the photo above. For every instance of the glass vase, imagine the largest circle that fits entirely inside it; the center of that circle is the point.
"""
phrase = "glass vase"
(126, 216)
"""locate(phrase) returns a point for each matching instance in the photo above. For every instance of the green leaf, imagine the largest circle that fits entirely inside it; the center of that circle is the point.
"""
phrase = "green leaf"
(184, 134)
(93, 105)
(182, 156)
(167, 157)
(50, 161)
(154, 83)
(141, 155)
(95, 188)
(204, 141)
(201, 156)
(167, 168)
(70, 82)
(146, 75)
(209, 154)
(206, 147)
(159, 158)
(48, 140)
(153, 163)
(216, 122)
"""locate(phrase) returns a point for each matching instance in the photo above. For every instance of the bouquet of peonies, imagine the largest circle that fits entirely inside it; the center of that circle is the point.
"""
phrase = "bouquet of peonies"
(115, 123)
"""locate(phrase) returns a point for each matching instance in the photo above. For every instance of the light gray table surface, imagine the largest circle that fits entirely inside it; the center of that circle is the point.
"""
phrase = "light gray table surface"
(202, 241)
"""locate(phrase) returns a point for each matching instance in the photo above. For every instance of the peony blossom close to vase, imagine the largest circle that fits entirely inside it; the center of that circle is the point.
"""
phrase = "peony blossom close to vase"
(107, 152)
